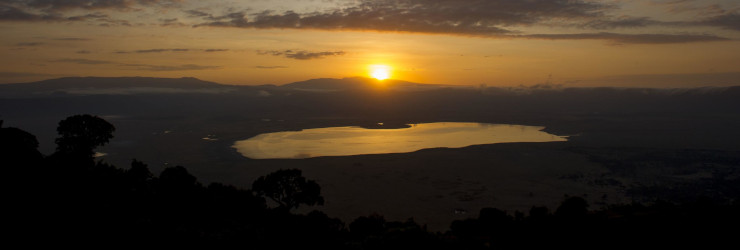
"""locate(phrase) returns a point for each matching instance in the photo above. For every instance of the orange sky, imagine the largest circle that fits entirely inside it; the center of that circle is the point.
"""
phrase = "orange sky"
(467, 42)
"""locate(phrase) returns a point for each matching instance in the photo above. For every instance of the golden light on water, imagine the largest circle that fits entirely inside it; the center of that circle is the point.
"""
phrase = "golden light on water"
(340, 141)
(380, 72)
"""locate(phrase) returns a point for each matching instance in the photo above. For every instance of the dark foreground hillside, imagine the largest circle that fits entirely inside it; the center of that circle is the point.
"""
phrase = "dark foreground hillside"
(68, 198)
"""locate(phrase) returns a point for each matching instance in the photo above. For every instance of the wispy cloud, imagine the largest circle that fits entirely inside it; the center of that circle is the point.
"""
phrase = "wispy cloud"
(182, 67)
(728, 21)
(145, 51)
(215, 50)
(83, 61)
(270, 67)
(146, 67)
(301, 54)
(481, 18)
(471, 17)
(6, 74)
(72, 39)
(62, 5)
(616, 38)
(29, 44)
(171, 22)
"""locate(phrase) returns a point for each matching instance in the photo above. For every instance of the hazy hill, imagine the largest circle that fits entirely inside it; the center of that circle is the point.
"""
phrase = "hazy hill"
(356, 83)
(112, 85)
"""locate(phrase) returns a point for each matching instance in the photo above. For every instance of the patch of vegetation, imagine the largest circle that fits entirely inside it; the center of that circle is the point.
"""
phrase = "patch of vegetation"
(664, 174)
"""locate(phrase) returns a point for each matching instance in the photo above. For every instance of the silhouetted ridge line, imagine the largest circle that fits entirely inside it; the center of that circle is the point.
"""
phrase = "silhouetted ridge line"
(119, 82)
(356, 83)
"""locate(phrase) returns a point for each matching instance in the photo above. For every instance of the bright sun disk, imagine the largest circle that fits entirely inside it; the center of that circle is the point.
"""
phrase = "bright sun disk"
(380, 72)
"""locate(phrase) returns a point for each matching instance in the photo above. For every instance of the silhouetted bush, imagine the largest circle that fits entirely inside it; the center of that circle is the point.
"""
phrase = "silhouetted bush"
(289, 189)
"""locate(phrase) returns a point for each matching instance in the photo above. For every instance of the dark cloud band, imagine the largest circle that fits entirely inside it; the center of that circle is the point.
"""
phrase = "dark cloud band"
(301, 54)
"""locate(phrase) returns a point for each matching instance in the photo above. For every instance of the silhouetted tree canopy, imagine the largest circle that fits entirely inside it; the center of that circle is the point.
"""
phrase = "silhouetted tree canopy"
(177, 181)
(18, 145)
(366, 226)
(289, 189)
(572, 208)
(81, 134)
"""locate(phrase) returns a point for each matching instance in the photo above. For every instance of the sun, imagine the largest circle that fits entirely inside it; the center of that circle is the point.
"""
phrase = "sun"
(380, 72)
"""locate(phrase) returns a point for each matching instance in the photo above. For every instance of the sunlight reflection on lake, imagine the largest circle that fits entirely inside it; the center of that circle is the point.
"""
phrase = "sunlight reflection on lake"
(339, 141)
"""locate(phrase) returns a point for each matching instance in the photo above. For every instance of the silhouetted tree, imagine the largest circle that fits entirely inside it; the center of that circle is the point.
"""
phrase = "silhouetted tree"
(177, 180)
(494, 216)
(139, 172)
(81, 134)
(538, 213)
(289, 189)
(572, 208)
(367, 226)
(138, 176)
(18, 146)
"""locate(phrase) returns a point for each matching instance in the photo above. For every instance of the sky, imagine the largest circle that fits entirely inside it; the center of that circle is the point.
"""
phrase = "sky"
(623, 43)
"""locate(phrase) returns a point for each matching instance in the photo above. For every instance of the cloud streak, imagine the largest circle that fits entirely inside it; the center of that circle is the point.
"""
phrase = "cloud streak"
(301, 54)
(147, 51)
(182, 67)
(463, 17)
(630, 38)
(479, 18)
(729, 21)
(62, 5)
(29, 44)
(145, 67)
(270, 67)
(485, 18)
(7, 74)
(83, 61)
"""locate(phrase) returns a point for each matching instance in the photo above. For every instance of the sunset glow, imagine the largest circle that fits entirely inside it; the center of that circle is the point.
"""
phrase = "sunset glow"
(380, 72)
(465, 42)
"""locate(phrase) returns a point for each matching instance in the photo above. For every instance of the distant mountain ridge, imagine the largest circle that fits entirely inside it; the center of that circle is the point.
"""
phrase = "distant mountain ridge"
(115, 82)
(149, 85)
(351, 83)
(141, 85)
(111, 85)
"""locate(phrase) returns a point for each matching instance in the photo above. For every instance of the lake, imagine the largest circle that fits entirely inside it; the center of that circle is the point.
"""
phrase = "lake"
(341, 141)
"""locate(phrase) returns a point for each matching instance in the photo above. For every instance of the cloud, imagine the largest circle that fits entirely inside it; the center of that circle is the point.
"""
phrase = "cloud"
(146, 67)
(14, 14)
(171, 22)
(72, 39)
(270, 67)
(146, 51)
(11, 13)
(83, 61)
(301, 54)
(160, 50)
(83, 52)
(620, 22)
(486, 18)
(480, 18)
(183, 67)
(630, 38)
(29, 44)
(465, 17)
(198, 13)
(54, 10)
(62, 5)
(728, 21)
(5, 74)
